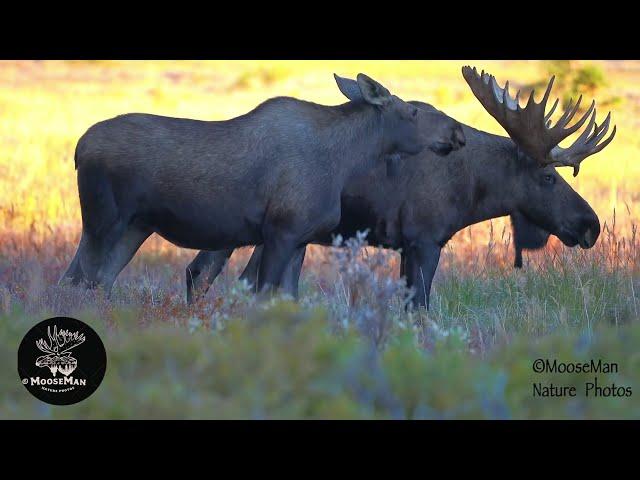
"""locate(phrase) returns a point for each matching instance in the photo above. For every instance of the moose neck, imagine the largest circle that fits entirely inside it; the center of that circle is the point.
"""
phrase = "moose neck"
(492, 169)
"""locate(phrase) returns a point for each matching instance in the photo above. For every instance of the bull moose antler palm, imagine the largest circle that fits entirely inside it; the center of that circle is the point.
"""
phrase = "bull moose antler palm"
(530, 127)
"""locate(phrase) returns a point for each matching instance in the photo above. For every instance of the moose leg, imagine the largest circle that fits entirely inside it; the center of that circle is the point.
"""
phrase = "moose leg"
(403, 264)
(74, 273)
(291, 275)
(215, 261)
(120, 255)
(421, 265)
(279, 248)
(517, 263)
(252, 270)
(93, 252)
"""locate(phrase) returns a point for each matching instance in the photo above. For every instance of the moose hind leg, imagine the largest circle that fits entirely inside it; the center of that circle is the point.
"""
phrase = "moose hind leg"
(120, 255)
(74, 274)
(291, 275)
(93, 254)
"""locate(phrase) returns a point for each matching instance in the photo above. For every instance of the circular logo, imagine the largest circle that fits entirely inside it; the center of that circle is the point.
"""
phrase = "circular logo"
(61, 361)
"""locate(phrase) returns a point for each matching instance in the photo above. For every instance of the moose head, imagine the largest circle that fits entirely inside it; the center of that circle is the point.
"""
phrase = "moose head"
(544, 202)
(408, 127)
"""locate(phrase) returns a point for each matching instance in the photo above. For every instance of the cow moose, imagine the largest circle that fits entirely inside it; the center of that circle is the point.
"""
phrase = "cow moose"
(421, 208)
(273, 176)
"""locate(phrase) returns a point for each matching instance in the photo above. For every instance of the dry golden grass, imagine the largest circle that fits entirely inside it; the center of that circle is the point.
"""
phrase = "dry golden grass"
(46, 106)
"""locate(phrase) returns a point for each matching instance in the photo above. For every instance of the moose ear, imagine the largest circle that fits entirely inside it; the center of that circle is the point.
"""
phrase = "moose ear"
(526, 235)
(372, 91)
(349, 88)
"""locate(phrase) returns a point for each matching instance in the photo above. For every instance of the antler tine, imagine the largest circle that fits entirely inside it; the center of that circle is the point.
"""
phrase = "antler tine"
(607, 141)
(569, 113)
(505, 94)
(498, 93)
(596, 131)
(580, 122)
(547, 117)
(508, 102)
(584, 137)
(601, 131)
(530, 101)
(547, 92)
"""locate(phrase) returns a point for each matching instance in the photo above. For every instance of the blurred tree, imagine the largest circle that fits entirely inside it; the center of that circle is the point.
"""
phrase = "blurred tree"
(587, 80)
(573, 80)
(560, 68)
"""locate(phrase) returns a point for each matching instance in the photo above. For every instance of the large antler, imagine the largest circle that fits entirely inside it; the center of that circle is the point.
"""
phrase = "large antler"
(530, 127)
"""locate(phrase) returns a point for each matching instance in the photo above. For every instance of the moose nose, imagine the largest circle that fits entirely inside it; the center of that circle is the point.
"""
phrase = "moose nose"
(591, 232)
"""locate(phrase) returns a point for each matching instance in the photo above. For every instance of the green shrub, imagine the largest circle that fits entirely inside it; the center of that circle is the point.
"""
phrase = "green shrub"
(282, 361)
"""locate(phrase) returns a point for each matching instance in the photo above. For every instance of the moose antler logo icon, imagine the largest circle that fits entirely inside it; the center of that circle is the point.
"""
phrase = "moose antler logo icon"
(58, 352)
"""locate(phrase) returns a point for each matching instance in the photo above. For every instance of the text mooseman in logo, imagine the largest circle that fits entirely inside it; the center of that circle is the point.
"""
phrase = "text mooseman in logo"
(61, 361)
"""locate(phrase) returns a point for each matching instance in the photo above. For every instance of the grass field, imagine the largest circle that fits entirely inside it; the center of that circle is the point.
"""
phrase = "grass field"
(348, 349)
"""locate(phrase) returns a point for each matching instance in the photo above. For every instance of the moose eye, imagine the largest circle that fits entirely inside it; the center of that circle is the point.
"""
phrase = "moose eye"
(550, 179)
(414, 113)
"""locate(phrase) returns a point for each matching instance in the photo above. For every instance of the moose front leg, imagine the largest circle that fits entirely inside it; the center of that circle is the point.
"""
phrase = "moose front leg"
(517, 262)
(215, 261)
(279, 248)
(420, 263)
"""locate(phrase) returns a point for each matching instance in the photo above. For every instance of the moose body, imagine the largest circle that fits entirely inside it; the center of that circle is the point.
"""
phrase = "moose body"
(421, 208)
(273, 176)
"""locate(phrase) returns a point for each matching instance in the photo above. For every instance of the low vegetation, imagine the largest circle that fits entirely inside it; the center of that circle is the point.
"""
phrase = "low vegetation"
(348, 349)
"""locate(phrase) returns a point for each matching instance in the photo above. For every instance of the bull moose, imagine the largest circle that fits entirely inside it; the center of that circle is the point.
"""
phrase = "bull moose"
(420, 209)
(273, 176)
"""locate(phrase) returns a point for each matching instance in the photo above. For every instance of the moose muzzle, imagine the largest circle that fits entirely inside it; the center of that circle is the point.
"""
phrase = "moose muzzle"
(590, 233)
